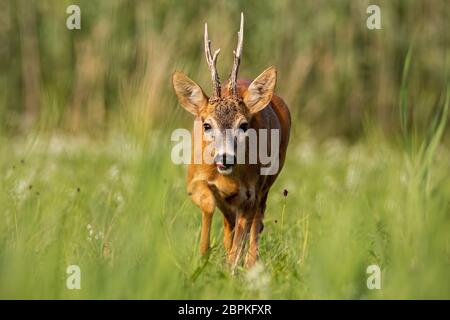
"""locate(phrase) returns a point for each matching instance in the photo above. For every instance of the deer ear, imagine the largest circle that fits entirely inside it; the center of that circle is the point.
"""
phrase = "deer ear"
(189, 94)
(260, 91)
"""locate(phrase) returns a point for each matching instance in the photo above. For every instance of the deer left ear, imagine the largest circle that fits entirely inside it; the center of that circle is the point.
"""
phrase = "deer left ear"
(260, 91)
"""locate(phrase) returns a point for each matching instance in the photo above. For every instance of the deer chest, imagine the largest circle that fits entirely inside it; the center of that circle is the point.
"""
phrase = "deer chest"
(233, 192)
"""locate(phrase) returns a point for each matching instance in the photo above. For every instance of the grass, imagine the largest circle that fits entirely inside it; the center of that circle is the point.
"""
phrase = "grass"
(348, 206)
(334, 72)
(86, 177)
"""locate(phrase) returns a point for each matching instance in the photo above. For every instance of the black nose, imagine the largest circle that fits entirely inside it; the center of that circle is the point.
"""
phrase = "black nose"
(225, 159)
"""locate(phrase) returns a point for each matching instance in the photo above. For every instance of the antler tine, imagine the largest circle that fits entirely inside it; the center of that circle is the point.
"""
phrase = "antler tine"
(237, 59)
(211, 60)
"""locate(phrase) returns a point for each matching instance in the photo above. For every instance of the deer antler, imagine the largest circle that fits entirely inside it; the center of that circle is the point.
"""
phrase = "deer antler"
(211, 60)
(237, 59)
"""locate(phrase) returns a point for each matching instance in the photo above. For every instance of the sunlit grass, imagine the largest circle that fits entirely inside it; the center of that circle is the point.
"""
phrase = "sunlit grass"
(347, 207)
(89, 180)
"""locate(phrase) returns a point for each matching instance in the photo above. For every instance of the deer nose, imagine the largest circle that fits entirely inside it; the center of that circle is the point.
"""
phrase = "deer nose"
(227, 160)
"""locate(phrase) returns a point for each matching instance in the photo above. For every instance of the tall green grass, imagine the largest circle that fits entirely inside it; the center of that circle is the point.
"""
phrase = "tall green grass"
(366, 173)
(348, 206)
(334, 72)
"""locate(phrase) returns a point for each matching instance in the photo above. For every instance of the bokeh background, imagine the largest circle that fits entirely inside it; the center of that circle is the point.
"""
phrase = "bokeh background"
(335, 73)
(86, 177)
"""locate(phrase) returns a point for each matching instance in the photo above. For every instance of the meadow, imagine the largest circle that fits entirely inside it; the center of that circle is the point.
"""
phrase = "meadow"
(86, 176)
(121, 213)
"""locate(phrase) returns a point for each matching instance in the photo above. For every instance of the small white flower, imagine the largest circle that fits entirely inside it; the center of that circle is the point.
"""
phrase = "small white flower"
(306, 153)
(352, 178)
(119, 199)
(114, 172)
(258, 279)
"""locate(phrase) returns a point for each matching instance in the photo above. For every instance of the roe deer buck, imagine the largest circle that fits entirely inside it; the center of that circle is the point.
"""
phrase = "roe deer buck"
(238, 190)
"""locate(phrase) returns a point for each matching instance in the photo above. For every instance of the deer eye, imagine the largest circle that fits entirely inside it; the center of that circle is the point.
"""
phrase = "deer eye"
(244, 126)
(206, 126)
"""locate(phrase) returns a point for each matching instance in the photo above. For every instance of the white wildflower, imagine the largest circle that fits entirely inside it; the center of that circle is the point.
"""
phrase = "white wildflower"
(258, 279)
(114, 172)
(352, 179)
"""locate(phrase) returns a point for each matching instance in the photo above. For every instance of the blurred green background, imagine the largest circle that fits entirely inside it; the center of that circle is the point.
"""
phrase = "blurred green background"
(334, 72)
(85, 123)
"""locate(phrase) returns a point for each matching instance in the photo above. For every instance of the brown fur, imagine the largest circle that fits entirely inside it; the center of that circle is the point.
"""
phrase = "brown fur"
(242, 195)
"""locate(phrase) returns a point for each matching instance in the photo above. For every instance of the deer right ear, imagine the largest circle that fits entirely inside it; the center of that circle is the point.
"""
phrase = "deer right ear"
(189, 94)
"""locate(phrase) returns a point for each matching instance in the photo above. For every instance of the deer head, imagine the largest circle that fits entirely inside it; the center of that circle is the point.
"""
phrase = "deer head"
(226, 114)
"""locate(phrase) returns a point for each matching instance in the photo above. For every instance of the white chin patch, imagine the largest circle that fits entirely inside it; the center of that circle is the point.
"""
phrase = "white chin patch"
(226, 171)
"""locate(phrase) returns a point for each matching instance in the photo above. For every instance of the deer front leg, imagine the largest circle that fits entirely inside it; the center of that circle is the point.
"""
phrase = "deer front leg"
(229, 221)
(228, 227)
(203, 197)
(241, 230)
(205, 233)
(255, 230)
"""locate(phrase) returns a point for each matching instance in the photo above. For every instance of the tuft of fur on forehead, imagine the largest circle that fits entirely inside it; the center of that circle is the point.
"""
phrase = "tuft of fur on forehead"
(226, 110)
